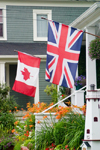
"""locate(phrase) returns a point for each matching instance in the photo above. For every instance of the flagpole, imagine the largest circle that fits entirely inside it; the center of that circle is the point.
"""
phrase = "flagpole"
(92, 34)
(84, 31)
(27, 53)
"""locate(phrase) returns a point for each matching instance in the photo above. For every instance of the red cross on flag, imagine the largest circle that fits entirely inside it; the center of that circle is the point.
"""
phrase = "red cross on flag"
(27, 74)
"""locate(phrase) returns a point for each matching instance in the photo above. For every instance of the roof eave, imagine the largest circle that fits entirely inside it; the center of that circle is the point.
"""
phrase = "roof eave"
(87, 17)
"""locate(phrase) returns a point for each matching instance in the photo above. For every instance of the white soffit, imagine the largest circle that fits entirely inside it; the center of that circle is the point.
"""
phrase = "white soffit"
(56, 3)
(16, 56)
(89, 18)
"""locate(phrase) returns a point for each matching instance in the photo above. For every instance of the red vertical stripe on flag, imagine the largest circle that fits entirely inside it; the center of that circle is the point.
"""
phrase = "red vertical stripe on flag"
(27, 90)
(29, 60)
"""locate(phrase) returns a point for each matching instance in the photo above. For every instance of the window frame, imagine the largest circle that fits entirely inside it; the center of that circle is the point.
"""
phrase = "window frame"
(4, 37)
(35, 13)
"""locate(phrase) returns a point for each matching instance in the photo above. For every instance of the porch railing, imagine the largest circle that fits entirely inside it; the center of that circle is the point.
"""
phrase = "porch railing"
(63, 99)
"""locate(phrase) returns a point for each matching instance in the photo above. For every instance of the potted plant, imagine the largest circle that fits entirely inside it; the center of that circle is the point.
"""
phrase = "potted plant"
(80, 81)
(94, 49)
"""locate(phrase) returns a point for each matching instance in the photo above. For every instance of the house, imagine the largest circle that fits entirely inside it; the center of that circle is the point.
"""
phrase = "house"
(22, 29)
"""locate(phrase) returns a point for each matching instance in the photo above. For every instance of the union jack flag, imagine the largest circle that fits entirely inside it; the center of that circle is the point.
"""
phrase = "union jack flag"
(63, 49)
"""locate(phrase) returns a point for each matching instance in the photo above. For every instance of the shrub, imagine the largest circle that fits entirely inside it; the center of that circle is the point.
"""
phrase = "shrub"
(30, 122)
(7, 120)
(7, 103)
(52, 91)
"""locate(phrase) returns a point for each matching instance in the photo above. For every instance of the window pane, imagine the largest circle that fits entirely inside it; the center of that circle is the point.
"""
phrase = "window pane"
(1, 30)
(0, 15)
(41, 26)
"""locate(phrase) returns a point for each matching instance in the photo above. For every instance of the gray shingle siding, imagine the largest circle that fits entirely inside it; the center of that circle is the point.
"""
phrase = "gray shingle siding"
(42, 84)
(19, 24)
(20, 20)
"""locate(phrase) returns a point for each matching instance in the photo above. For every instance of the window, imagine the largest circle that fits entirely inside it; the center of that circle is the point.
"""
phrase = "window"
(88, 131)
(95, 119)
(40, 25)
(3, 34)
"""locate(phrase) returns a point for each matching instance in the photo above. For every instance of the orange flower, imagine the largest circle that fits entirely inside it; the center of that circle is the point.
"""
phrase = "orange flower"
(22, 139)
(13, 131)
(39, 121)
(16, 123)
(83, 109)
(44, 117)
(9, 110)
(58, 117)
(30, 126)
(75, 106)
(15, 107)
(28, 105)
(27, 115)
(24, 117)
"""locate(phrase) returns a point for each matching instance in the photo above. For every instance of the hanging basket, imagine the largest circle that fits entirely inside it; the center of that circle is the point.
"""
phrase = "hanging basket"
(94, 49)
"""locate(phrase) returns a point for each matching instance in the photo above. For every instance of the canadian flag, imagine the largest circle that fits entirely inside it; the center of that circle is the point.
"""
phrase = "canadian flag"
(27, 74)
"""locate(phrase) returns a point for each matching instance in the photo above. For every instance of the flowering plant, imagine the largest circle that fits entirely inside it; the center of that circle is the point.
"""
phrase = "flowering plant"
(51, 147)
(55, 133)
(94, 49)
(6, 141)
(80, 80)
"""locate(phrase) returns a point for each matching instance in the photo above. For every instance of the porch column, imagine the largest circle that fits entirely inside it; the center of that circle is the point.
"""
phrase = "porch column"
(36, 98)
(90, 64)
(2, 72)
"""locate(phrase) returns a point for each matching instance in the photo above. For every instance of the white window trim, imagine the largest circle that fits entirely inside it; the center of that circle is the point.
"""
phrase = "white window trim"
(49, 17)
(4, 24)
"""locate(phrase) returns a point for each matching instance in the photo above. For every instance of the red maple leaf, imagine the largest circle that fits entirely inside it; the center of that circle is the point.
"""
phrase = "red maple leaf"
(26, 74)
